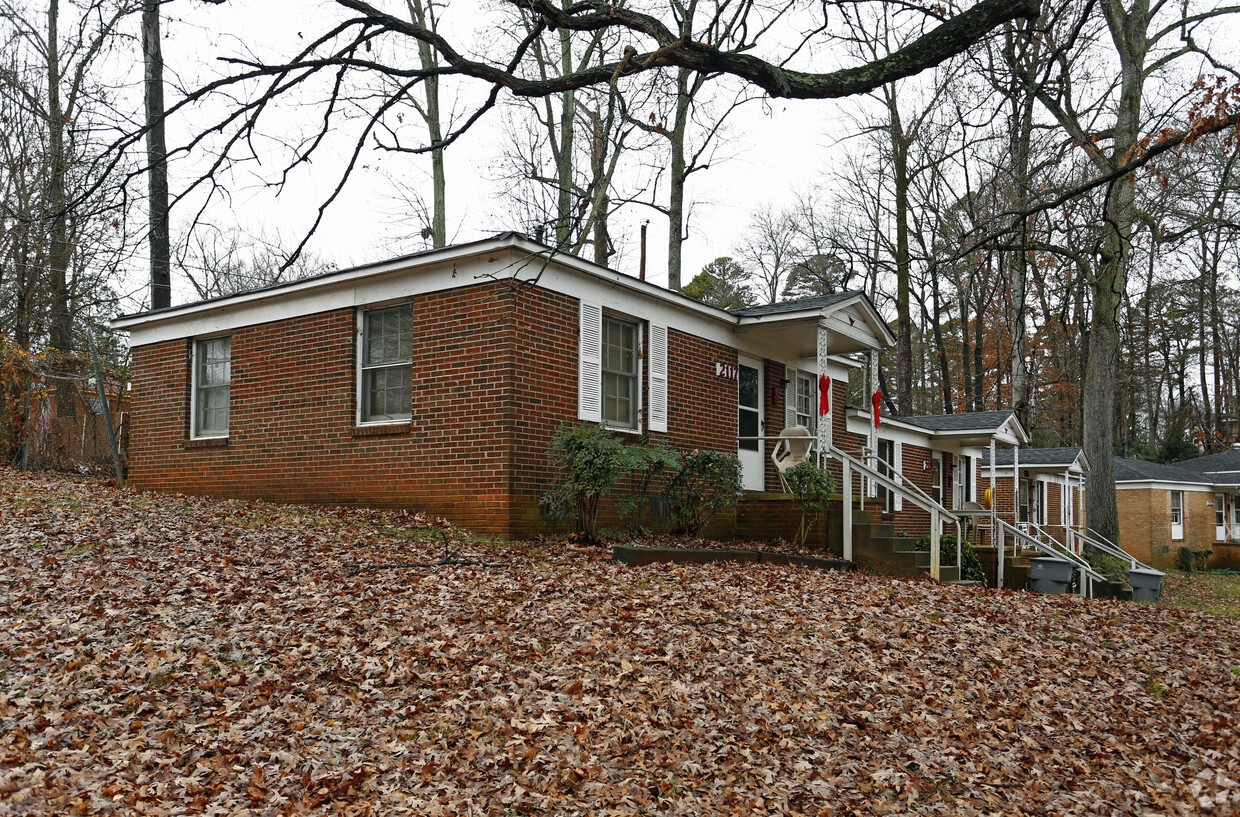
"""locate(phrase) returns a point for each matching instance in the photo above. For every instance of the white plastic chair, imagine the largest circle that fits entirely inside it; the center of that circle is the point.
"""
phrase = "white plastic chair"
(795, 443)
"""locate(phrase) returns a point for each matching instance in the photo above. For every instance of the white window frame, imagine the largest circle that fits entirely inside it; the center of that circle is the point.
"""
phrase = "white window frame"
(1177, 514)
(362, 369)
(805, 386)
(651, 404)
(635, 375)
(196, 389)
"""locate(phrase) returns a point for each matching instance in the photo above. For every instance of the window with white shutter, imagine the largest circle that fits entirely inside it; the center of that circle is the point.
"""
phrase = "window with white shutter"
(590, 364)
(658, 378)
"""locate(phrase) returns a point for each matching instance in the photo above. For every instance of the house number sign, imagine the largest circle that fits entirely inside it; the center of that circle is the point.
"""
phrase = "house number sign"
(726, 370)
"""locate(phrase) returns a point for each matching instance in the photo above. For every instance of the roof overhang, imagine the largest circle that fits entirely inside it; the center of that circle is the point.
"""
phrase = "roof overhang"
(852, 325)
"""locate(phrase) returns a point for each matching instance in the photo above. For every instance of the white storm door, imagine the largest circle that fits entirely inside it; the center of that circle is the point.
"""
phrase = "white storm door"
(1220, 517)
(749, 424)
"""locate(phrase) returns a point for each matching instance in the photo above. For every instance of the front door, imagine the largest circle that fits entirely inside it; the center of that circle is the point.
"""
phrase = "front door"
(886, 457)
(1235, 517)
(1220, 517)
(749, 425)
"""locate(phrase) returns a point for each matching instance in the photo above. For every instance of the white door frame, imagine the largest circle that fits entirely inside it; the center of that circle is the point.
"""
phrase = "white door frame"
(753, 463)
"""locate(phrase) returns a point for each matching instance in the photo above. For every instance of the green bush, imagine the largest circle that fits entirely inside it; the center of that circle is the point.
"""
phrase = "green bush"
(812, 487)
(648, 465)
(590, 460)
(704, 483)
(1114, 568)
(971, 567)
(1190, 559)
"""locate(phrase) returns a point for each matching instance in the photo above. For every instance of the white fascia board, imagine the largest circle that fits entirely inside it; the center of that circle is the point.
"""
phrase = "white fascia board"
(1159, 485)
(859, 423)
(862, 331)
(504, 258)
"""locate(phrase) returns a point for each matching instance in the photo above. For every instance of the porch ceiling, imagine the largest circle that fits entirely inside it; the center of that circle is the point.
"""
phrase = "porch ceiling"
(851, 327)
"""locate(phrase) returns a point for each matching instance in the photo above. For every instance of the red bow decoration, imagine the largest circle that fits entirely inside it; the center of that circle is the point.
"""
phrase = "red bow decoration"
(824, 395)
(878, 399)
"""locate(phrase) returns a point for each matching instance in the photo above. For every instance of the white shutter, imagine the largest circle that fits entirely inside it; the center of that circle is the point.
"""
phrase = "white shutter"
(790, 396)
(897, 462)
(658, 378)
(590, 364)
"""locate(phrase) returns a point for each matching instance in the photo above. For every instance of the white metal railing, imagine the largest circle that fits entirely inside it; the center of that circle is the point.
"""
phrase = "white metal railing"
(1102, 544)
(1086, 573)
(937, 512)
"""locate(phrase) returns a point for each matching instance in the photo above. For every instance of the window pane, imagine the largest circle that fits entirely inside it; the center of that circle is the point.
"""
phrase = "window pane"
(619, 381)
(212, 373)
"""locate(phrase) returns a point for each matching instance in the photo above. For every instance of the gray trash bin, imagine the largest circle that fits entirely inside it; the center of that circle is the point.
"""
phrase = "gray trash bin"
(1048, 574)
(1146, 584)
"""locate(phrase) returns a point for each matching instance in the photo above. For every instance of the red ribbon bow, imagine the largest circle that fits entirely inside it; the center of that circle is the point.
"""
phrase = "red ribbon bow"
(824, 395)
(878, 399)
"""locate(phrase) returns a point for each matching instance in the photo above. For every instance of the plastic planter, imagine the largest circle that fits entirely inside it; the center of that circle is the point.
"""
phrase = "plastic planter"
(1048, 574)
(1146, 584)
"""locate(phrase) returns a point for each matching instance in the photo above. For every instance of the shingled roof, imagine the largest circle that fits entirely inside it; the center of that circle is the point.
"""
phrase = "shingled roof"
(1130, 470)
(1035, 456)
(968, 421)
(799, 305)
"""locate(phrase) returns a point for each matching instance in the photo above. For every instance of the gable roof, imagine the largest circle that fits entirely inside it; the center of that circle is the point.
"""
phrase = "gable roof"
(968, 421)
(798, 305)
(1224, 462)
(1064, 457)
(1132, 470)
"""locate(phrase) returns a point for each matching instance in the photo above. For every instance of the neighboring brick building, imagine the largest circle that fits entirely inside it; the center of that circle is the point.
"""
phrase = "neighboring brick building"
(1194, 503)
(1045, 495)
(436, 380)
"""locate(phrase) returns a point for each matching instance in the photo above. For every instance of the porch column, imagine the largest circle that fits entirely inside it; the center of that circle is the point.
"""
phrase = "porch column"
(994, 494)
(825, 430)
(872, 461)
(1016, 485)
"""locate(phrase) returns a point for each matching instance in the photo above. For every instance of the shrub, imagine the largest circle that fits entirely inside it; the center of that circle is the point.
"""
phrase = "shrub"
(1114, 568)
(971, 565)
(705, 482)
(647, 465)
(812, 487)
(1190, 559)
(591, 460)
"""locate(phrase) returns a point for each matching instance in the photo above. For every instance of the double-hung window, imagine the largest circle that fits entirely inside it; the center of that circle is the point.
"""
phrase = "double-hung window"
(610, 363)
(212, 374)
(804, 401)
(386, 378)
(621, 382)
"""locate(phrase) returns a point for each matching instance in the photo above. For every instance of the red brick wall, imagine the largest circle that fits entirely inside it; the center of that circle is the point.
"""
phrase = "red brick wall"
(495, 372)
(292, 434)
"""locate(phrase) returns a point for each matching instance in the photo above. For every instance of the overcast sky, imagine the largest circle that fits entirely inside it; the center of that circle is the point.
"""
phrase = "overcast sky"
(773, 150)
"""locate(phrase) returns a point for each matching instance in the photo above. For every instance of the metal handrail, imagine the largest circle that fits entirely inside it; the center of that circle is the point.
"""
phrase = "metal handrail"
(1059, 551)
(935, 509)
(1099, 542)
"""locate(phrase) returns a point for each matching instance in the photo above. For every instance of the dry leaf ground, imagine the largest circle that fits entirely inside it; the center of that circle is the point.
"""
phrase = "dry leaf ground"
(171, 655)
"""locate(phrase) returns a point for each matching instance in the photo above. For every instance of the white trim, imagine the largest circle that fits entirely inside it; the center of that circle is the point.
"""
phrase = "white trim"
(897, 457)
(658, 415)
(1157, 485)
(195, 343)
(590, 363)
(359, 367)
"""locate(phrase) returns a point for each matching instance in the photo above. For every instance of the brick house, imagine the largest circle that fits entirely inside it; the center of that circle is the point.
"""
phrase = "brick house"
(1194, 503)
(1044, 493)
(436, 380)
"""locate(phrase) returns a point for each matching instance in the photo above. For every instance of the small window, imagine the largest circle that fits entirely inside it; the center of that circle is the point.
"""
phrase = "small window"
(1177, 507)
(620, 380)
(386, 365)
(1220, 510)
(212, 375)
(804, 397)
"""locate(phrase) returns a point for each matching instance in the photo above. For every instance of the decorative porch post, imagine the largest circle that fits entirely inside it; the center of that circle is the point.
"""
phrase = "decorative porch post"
(1016, 486)
(824, 423)
(872, 460)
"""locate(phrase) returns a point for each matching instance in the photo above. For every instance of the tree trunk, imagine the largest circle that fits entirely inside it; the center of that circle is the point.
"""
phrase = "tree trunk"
(1129, 31)
(60, 252)
(156, 158)
(676, 193)
(904, 322)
